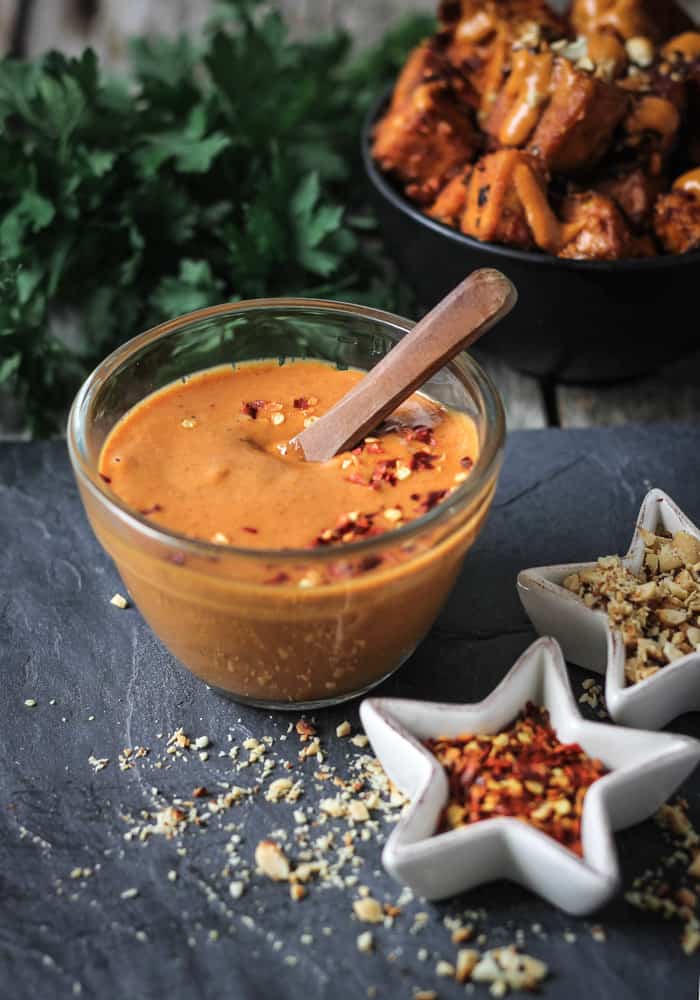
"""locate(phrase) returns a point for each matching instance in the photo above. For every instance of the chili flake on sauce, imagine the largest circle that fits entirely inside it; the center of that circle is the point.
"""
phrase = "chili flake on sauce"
(524, 772)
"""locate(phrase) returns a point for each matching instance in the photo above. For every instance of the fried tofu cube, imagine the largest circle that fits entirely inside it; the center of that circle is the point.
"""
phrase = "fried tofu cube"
(426, 140)
(495, 211)
(428, 62)
(683, 48)
(635, 192)
(577, 126)
(450, 204)
(677, 220)
(518, 108)
(654, 19)
(593, 228)
(418, 68)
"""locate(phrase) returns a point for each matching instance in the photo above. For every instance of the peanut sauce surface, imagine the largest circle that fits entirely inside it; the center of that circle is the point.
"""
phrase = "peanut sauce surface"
(209, 457)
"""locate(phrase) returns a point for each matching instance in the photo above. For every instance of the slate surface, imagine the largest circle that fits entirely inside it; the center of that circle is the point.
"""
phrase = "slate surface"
(563, 496)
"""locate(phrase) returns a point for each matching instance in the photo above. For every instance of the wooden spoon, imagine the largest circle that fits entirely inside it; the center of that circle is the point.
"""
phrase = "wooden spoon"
(464, 315)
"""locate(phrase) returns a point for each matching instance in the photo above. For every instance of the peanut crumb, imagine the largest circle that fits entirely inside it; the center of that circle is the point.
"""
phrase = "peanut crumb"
(365, 941)
(368, 910)
(272, 861)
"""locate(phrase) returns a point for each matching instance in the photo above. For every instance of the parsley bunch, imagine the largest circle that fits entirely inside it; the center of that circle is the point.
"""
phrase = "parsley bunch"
(221, 168)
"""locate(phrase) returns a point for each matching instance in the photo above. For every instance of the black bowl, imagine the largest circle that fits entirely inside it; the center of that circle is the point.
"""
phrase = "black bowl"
(575, 321)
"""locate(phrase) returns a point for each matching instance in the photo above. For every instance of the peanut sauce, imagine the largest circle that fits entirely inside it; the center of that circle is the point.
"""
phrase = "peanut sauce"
(210, 457)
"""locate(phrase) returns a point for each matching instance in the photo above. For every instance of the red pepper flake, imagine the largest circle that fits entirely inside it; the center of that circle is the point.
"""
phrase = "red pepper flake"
(355, 477)
(278, 578)
(432, 499)
(349, 528)
(523, 771)
(251, 408)
(151, 510)
(419, 433)
(106, 479)
(384, 472)
(422, 460)
(301, 403)
(251, 531)
(466, 462)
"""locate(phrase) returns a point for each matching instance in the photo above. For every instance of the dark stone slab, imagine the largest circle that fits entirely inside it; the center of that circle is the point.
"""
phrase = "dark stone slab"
(563, 496)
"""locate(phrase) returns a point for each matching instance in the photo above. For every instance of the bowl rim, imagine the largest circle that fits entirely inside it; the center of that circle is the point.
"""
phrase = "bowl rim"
(501, 251)
(484, 470)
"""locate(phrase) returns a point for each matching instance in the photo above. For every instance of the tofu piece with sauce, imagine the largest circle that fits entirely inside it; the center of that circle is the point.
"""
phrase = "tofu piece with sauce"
(495, 210)
(577, 126)
(593, 228)
(426, 140)
(518, 108)
(677, 215)
(481, 36)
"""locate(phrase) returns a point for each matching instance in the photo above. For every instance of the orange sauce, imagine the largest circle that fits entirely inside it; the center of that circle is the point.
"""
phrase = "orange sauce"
(210, 457)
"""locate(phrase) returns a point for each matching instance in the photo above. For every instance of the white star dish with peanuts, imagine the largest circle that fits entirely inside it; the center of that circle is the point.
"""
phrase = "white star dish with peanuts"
(589, 640)
(644, 768)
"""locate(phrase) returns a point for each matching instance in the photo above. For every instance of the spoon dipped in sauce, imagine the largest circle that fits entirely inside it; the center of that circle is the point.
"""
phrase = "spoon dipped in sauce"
(457, 321)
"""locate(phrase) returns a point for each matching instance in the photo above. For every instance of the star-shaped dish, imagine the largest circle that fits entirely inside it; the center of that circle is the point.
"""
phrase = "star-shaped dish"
(645, 768)
(588, 640)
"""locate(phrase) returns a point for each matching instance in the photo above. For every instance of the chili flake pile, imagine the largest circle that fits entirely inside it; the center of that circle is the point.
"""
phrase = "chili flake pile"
(657, 612)
(524, 772)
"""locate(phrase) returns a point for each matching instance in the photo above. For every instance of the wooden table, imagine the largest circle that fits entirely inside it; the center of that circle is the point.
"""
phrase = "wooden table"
(673, 396)
(29, 27)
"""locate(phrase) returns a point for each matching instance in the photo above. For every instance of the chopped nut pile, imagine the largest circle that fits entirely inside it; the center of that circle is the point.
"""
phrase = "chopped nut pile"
(524, 772)
(657, 612)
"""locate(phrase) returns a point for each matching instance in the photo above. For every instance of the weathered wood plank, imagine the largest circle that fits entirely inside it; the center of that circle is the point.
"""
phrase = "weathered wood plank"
(8, 14)
(522, 396)
(61, 25)
(65, 26)
(673, 395)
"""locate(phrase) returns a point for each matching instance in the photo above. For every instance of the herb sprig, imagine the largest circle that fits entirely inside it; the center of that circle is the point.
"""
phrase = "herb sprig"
(220, 168)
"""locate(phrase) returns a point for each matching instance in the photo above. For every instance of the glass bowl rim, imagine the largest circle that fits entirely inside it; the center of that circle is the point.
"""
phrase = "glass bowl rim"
(464, 365)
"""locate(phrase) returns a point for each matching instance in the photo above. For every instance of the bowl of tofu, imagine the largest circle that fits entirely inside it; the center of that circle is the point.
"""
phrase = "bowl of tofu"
(563, 149)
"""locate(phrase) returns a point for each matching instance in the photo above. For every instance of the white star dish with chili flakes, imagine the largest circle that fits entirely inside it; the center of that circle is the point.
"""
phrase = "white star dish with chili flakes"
(642, 769)
(640, 624)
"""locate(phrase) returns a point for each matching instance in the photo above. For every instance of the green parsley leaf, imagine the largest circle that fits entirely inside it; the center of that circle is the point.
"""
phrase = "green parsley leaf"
(223, 166)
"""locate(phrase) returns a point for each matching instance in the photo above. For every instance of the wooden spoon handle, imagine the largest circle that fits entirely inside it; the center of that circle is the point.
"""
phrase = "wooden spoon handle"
(455, 323)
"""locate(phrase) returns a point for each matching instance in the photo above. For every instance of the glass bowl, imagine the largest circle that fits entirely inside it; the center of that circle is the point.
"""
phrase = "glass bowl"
(283, 628)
